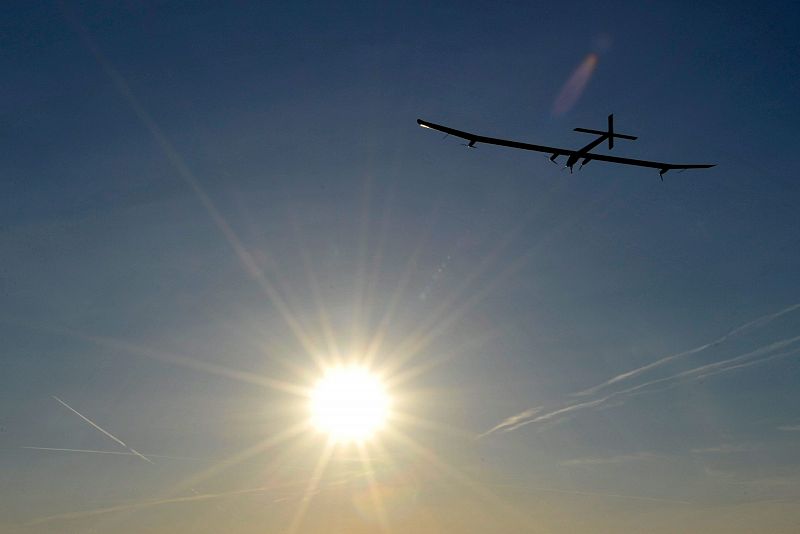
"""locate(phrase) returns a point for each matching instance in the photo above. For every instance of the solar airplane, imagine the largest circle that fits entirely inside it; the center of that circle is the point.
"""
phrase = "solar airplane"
(584, 155)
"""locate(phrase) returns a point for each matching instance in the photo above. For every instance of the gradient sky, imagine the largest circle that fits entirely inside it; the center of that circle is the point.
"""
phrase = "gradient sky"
(191, 192)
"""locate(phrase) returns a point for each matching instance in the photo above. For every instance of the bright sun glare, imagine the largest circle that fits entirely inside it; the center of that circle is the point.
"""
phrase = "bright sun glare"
(349, 404)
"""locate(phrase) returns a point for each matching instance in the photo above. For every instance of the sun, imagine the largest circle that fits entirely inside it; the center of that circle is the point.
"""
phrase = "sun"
(350, 404)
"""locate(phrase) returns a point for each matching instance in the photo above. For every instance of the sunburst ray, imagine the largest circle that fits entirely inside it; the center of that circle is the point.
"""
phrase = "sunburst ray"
(311, 488)
(380, 510)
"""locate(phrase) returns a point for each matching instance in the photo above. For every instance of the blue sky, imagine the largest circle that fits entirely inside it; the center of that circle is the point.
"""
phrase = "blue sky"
(180, 178)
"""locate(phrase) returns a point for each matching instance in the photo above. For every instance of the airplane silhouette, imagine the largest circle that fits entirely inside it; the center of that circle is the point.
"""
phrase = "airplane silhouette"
(573, 156)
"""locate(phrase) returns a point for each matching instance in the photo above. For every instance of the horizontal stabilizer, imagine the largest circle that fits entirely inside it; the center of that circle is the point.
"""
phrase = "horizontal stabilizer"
(600, 132)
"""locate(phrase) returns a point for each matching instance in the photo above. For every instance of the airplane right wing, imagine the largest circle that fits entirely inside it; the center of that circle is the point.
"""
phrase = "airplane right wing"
(662, 167)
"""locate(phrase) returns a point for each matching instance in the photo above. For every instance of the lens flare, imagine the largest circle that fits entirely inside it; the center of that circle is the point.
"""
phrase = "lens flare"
(575, 86)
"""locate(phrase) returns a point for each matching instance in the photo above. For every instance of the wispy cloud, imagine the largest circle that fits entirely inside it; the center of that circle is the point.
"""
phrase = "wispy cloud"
(756, 323)
(789, 428)
(107, 433)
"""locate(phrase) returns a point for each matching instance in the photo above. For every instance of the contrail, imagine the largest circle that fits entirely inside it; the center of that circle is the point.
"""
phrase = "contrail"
(761, 321)
(514, 422)
(109, 434)
(522, 416)
(711, 369)
(119, 453)
(745, 364)
(696, 373)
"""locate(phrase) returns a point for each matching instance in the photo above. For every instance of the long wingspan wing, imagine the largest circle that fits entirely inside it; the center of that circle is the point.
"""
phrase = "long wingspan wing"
(662, 167)
(644, 163)
(491, 140)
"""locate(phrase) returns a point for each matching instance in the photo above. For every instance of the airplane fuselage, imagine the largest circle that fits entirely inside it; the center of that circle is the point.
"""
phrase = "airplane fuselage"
(584, 152)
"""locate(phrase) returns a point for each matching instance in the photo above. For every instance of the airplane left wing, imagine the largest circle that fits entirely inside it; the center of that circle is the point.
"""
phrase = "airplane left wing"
(474, 138)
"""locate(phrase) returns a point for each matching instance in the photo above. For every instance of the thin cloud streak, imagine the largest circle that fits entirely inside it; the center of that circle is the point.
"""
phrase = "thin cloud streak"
(761, 321)
(98, 427)
(143, 504)
(287, 493)
(618, 459)
(529, 489)
(725, 448)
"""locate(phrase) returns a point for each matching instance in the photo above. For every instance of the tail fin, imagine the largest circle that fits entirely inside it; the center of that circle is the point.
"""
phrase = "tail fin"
(611, 131)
